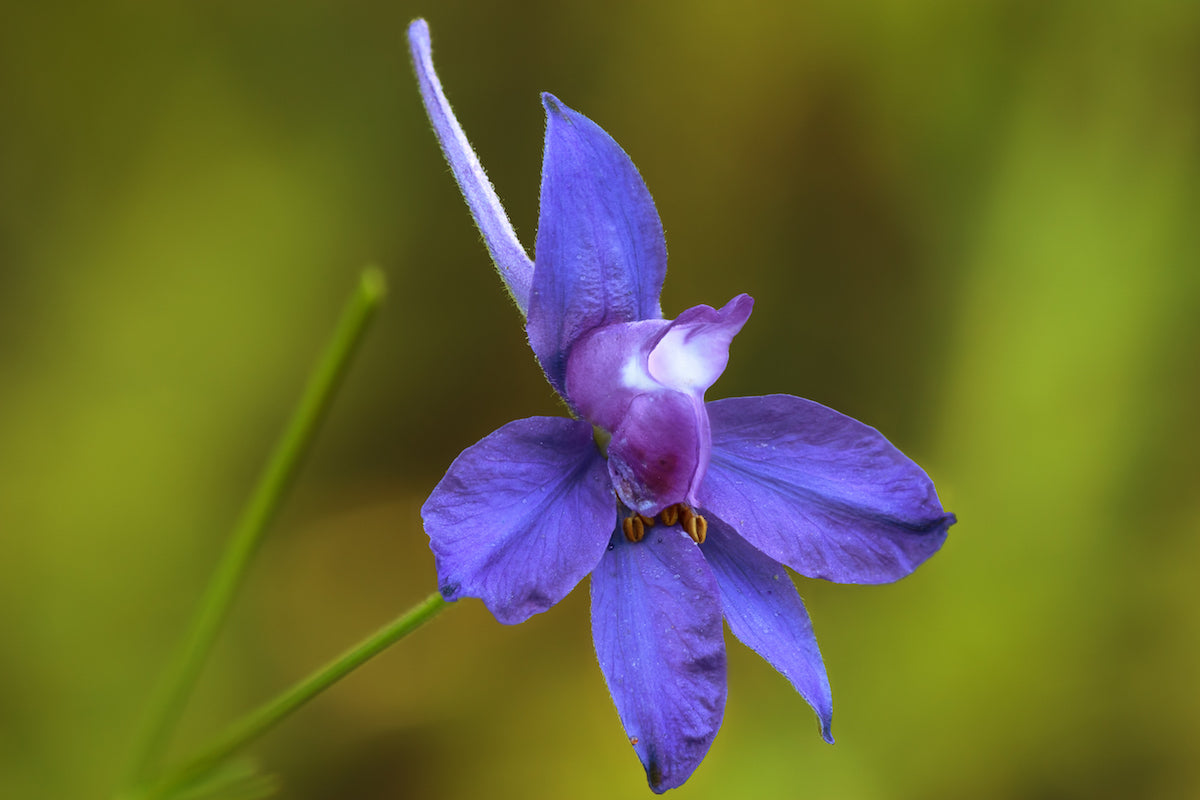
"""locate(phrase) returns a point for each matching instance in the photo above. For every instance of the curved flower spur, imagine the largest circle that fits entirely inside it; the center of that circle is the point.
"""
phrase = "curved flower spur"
(682, 510)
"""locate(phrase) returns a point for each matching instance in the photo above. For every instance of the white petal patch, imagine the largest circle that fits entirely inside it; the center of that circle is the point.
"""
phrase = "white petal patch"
(690, 358)
(635, 376)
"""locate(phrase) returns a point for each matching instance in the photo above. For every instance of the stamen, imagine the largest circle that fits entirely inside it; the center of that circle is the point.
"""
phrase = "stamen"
(633, 528)
(692, 523)
(647, 521)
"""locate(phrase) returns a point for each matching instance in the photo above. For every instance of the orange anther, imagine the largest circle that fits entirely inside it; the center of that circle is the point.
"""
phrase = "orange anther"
(633, 528)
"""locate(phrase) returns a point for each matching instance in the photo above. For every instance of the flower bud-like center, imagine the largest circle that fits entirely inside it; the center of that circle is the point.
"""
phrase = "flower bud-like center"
(644, 383)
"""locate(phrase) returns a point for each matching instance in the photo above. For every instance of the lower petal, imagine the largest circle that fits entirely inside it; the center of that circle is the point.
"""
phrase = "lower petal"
(521, 516)
(659, 453)
(764, 610)
(656, 622)
(821, 492)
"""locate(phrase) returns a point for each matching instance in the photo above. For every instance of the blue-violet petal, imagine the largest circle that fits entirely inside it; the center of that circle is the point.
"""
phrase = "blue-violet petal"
(825, 494)
(600, 256)
(765, 611)
(656, 622)
(521, 516)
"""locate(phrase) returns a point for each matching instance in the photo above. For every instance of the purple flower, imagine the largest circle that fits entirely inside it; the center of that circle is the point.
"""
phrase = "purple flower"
(683, 511)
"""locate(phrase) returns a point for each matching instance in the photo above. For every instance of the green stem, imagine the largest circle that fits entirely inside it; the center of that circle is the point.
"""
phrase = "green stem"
(272, 713)
(257, 514)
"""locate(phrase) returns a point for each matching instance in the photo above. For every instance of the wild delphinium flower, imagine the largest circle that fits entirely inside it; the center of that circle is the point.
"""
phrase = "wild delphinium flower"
(682, 511)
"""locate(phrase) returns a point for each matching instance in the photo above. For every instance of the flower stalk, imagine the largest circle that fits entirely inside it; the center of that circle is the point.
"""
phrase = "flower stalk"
(326, 377)
(258, 722)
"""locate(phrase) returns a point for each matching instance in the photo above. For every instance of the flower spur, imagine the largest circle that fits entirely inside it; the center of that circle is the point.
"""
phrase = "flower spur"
(682, 511)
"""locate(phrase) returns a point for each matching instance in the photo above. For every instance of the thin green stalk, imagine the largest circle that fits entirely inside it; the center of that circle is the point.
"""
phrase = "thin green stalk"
(257, 723)
(323, 382)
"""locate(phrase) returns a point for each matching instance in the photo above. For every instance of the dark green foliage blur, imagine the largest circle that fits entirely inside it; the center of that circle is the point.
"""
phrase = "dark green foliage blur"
(972, 225)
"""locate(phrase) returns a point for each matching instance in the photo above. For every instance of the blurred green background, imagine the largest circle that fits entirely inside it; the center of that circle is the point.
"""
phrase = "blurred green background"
(971, 225)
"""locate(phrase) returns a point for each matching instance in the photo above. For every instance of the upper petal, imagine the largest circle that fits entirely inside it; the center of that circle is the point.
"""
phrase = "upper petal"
(612, 364)
(693, 351)
(521, 516)
(515, 267)
(819, 491)
(600, 255)
(656, 622)
(764, 610)
(607, 369)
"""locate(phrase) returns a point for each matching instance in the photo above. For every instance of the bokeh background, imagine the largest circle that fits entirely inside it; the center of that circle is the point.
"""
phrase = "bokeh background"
(971, 225)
